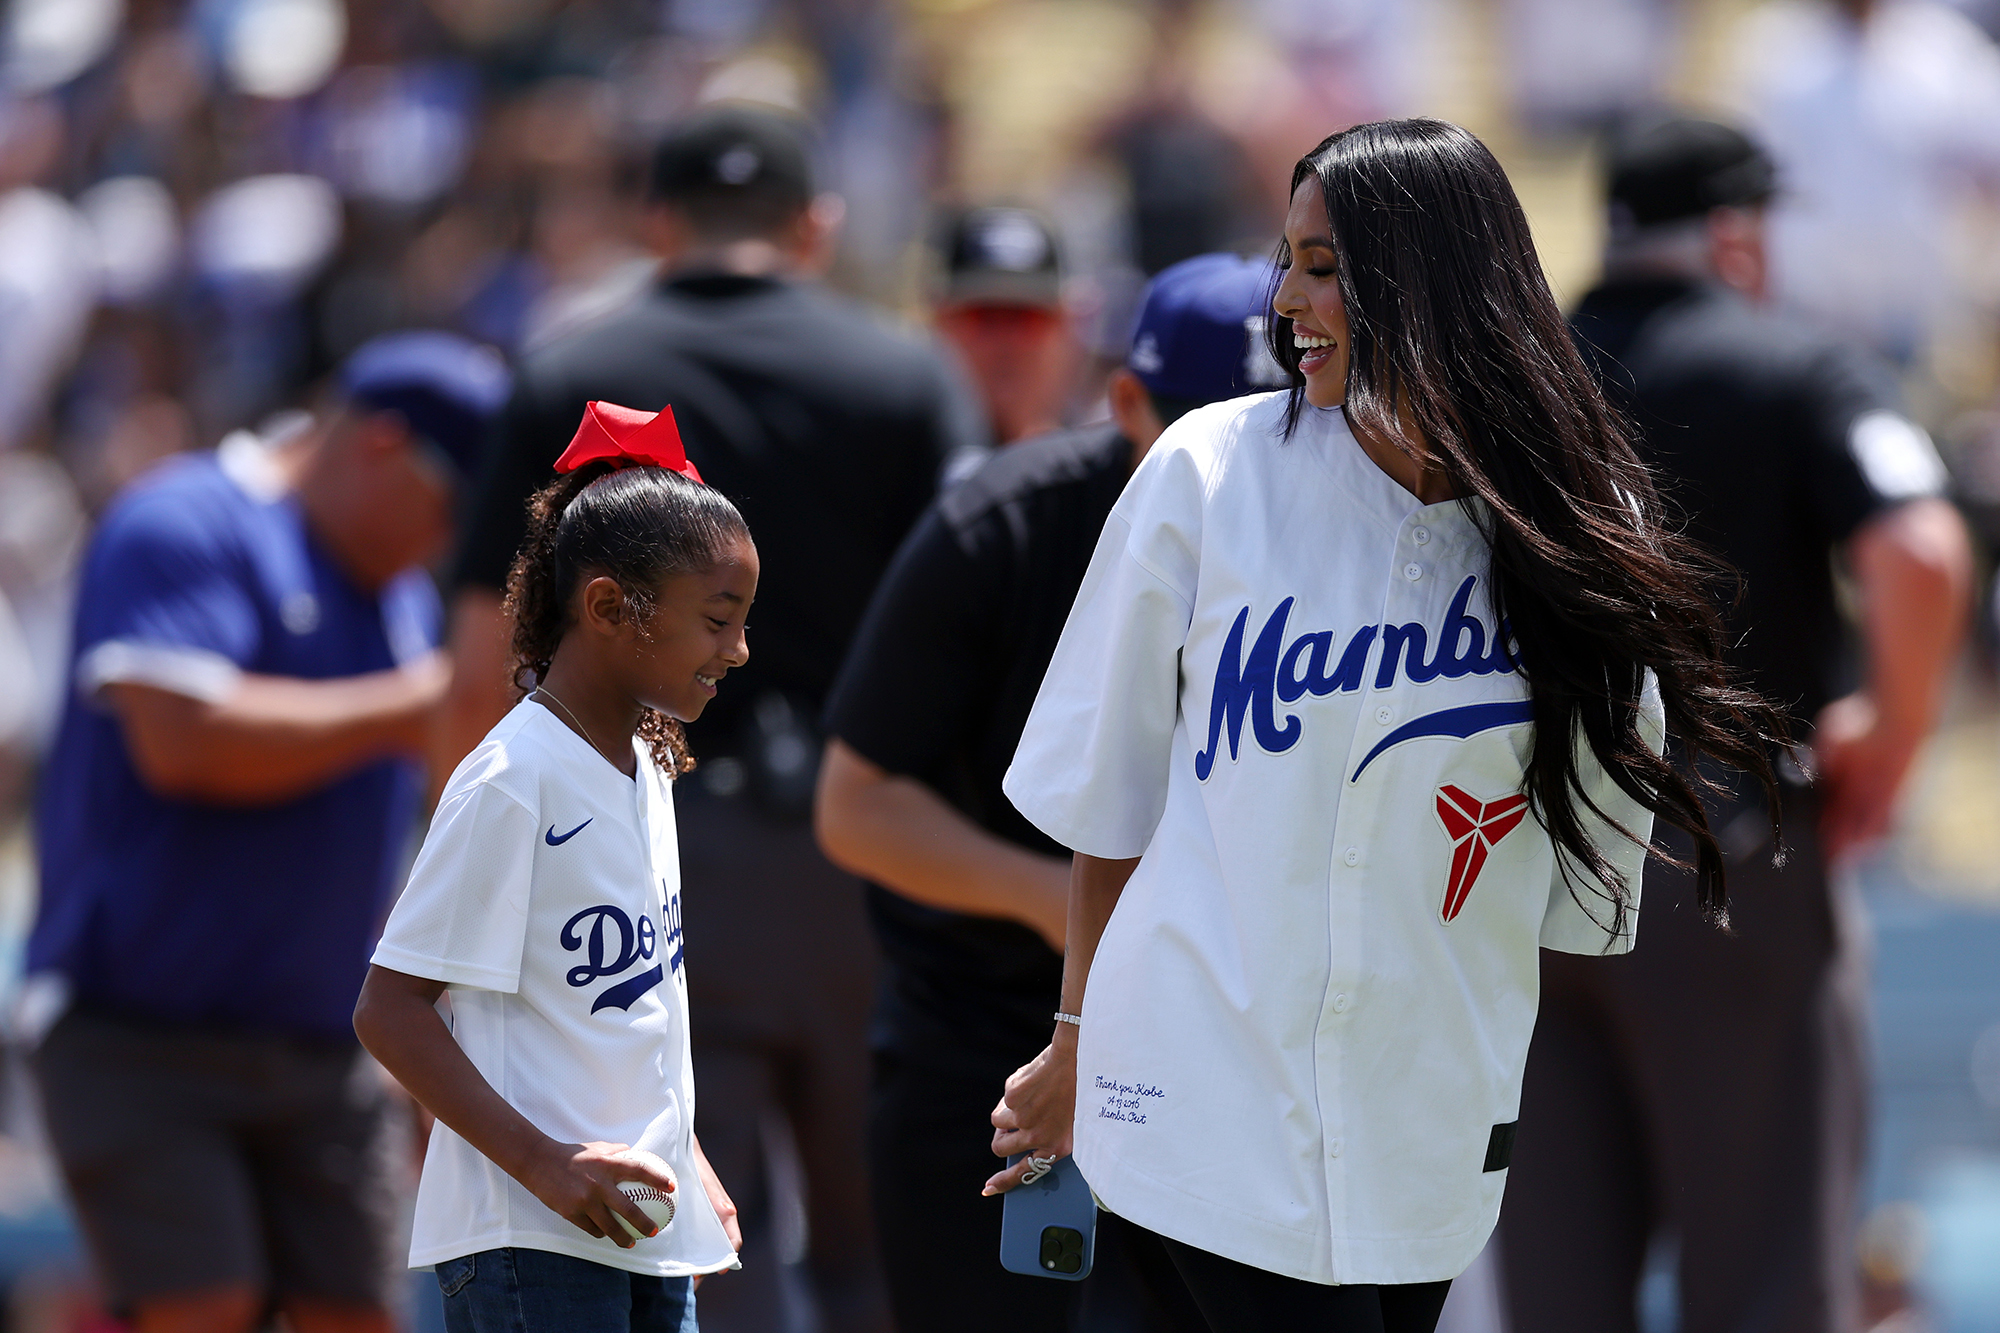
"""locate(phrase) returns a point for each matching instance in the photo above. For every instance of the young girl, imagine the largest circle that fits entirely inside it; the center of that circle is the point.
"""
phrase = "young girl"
(546, 900)
(1360, 706)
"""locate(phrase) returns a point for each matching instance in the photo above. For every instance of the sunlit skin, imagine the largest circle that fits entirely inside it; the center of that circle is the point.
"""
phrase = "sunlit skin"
(1309, 295)
(611, 663)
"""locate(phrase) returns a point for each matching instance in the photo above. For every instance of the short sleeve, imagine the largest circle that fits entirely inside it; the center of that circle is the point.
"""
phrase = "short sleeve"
(919, 656)
(1867, 454)
(1092, 767)
(1579, 914)
(463, 917)
(166, 603)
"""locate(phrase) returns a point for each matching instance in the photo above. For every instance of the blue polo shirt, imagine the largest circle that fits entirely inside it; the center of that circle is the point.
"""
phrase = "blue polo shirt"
(255, 919)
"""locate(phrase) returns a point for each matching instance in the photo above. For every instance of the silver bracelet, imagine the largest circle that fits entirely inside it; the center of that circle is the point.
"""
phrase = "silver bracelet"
(1070, 1019)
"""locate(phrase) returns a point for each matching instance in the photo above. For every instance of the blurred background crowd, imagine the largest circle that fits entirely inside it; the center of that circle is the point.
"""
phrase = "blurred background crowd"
(205, 205)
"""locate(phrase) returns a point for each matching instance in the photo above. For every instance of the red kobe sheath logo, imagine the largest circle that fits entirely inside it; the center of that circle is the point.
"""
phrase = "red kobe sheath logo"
(1473, 827)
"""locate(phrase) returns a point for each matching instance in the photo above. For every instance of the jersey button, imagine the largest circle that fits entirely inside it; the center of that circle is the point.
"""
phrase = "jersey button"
(1333, 1147)
(1353, 856)
(1420, 535)
(1383, 714)
(1340, 1004)
(1413, 571)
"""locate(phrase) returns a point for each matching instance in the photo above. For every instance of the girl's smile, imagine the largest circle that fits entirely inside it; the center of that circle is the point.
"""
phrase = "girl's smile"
(695, 634)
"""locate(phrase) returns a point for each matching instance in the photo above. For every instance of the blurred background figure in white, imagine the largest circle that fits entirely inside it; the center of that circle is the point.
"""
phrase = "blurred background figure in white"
(1884, 119)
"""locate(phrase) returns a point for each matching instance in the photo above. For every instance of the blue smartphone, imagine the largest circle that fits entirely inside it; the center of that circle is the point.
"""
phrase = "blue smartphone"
(1049, 1228)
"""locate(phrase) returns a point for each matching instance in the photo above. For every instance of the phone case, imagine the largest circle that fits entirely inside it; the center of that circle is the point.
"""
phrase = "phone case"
(1049, 1228)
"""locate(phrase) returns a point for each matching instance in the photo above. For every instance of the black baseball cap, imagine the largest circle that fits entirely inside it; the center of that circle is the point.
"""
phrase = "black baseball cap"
(1668, 168)
(736, 157)
(1002, 256)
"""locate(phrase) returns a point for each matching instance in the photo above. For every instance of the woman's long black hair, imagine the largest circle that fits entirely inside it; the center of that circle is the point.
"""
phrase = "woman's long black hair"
(1454, 332)
(636, 526)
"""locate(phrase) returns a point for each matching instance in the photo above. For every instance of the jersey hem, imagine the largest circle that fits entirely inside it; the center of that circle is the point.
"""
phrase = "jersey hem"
(1218, 1228)
(583, 1247)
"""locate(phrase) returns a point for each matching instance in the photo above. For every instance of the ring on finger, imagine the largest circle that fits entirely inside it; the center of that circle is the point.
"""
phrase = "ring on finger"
(1037, 1168)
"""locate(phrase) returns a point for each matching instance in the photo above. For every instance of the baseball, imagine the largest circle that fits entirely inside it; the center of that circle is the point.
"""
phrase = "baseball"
(655, 1203)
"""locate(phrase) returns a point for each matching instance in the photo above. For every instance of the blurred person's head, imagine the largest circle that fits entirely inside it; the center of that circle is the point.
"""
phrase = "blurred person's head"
(1199, 338)
(1001, 309)
(1686, 198)
(1412, 297)
(379, 471)
(32, 136)
(731, 190)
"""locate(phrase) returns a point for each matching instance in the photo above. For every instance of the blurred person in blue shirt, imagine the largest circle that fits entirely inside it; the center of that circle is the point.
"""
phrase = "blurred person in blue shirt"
(253, 673)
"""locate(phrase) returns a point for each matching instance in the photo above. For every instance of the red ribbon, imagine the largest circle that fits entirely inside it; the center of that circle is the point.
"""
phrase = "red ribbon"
(628, 438)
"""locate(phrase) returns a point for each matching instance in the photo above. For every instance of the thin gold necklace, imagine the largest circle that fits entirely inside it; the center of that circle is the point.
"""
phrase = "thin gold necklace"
(582, 730)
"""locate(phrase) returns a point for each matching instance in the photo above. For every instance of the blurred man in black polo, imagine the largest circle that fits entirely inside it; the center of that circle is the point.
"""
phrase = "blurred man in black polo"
(1711, 1085)
(967, 898)
(829, 432)
(1001, 310)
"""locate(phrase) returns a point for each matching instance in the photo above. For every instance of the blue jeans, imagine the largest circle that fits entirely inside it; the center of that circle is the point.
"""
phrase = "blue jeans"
(534, 1291)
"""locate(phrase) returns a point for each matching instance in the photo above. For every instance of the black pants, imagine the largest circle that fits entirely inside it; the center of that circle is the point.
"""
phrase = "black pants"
(1236, 1298)
(929, 1150)
(1706, 1084)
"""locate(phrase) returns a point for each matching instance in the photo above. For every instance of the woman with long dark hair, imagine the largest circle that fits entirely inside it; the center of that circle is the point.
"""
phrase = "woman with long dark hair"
(1362, 703)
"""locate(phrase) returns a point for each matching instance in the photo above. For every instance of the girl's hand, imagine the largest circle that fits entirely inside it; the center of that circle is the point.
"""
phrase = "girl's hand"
(725, 1207)
(579, 1182)
(1038, 1111)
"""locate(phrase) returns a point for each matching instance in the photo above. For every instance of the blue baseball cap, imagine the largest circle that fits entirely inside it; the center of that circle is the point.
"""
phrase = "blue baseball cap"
(1200, 333)
(447, 387)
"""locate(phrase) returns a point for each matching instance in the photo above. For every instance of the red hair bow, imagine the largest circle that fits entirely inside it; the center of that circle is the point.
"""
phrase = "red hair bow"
(627, 437)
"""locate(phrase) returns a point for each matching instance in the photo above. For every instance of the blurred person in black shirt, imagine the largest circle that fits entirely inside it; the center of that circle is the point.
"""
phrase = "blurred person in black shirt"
(1712, 1085)
(829, 432)
(1001, 311)
(967, 898)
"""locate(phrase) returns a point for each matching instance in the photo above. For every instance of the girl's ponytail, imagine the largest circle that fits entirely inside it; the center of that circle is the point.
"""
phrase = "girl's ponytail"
(635, 525)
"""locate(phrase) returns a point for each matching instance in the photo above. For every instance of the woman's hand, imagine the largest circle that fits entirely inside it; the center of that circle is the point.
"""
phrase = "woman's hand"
(579, 1183)
(1038, 1111)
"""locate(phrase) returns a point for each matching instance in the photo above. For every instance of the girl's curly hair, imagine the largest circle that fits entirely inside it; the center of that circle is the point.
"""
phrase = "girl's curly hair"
(636, 526)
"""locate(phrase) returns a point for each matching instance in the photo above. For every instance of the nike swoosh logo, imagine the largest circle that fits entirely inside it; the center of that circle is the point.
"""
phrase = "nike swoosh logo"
(554, 839)
(1460, 722)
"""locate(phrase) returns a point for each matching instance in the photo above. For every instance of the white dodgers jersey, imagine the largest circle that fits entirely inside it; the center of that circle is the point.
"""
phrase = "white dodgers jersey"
(1283, 683)
(547, 897)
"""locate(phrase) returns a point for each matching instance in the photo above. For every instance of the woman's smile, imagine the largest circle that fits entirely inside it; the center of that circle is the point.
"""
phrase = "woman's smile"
(1309, 295)
(1313, 350)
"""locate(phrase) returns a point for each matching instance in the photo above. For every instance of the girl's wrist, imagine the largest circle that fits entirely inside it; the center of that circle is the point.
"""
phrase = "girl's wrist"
(530, 1156)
